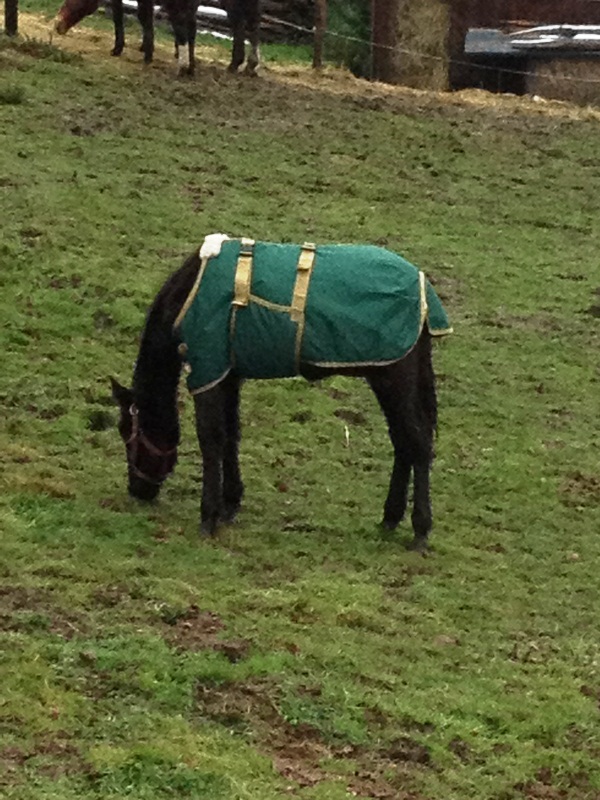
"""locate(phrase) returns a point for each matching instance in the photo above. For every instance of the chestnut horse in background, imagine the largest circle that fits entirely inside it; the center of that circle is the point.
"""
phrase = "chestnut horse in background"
(243, 16)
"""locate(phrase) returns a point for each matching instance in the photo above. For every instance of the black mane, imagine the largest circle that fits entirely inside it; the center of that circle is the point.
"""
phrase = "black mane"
(158, 366)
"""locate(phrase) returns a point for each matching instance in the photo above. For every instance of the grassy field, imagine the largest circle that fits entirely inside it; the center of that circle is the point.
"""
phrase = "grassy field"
(303, 653)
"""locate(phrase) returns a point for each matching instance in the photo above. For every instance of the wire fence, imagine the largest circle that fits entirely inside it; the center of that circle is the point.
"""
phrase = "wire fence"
(474, 62)
(11, 20)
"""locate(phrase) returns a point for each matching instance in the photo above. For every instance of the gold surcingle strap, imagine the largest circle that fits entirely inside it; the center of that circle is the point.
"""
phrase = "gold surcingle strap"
(304, 271)
(243, 273)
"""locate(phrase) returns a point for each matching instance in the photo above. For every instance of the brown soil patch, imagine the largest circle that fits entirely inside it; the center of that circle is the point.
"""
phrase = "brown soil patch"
(194, 629)
(579, 489)
(51, 757)
(23, 609)
(300, 753)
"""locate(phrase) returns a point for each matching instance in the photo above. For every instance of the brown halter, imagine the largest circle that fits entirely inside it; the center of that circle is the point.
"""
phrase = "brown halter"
(137, 438)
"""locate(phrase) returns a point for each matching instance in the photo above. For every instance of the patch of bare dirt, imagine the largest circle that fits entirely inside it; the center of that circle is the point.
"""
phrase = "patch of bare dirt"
(579, 489)
(299, 751)
(52, 757)
(576, 786)
(541, 323)
(594, 309)
(351, 416)
(24, 609)
(195, 629)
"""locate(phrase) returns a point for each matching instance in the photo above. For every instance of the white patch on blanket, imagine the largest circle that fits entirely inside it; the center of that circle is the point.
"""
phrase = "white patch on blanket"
(211, 247)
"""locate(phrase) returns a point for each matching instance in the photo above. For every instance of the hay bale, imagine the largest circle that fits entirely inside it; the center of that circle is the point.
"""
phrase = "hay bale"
(422, 44)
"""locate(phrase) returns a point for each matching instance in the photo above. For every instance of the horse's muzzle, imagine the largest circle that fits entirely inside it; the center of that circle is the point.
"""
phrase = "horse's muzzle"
(60, 25)
(143, 490)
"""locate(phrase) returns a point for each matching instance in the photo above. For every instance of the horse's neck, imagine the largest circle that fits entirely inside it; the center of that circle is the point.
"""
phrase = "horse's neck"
(156, 379)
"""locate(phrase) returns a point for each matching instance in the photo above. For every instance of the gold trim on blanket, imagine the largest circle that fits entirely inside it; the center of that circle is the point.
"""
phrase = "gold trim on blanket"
(193, 292)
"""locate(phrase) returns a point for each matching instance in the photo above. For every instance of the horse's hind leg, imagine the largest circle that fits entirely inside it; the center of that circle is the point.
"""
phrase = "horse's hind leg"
(385, 389)
(407, 397)
(117, 15)
(145, 15)
(423, 426)
(210, 427)
(233, 487)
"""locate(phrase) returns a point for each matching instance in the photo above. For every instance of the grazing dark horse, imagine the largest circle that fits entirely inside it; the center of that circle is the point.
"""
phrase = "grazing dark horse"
(243, 15)
(404, 387)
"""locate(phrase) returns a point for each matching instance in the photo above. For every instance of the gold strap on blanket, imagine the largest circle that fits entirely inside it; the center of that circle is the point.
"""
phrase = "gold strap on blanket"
(304, 271)
(243, 273)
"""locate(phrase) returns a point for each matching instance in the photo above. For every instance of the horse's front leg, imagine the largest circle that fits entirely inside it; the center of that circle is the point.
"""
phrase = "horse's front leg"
(146, 18)
(192, 27)
(238, 28)
(184, 31)
(210, 427)
(233, 487)
(117, 14)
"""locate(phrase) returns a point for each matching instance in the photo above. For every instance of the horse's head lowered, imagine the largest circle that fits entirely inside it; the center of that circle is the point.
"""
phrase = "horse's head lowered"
(72, 11)
(148, 462)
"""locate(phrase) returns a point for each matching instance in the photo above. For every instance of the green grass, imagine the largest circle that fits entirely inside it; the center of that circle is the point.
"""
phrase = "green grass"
(302, 653)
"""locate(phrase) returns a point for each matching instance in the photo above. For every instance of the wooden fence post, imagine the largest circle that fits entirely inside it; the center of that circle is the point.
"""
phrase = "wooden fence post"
(11, 17)
(384, 40)
(320, 28)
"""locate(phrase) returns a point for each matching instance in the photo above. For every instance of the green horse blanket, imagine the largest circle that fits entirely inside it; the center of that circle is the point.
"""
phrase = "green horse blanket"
(263, 309)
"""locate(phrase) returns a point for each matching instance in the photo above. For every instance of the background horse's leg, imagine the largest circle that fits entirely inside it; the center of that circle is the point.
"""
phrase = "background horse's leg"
(253, 30)
(233, 487)
(117, 14)
(210, 427)
(238, 29)
(184, 31)
(145, 14)
(192, 27)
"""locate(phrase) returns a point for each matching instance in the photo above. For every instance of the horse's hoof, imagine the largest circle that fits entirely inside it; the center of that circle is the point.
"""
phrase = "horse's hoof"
(420, 544)
(228, 516)
(208, 528)
(116, 51)
(388, 524)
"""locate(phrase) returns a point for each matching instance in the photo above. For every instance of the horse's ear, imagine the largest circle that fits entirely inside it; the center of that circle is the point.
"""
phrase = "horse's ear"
(121, 395)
